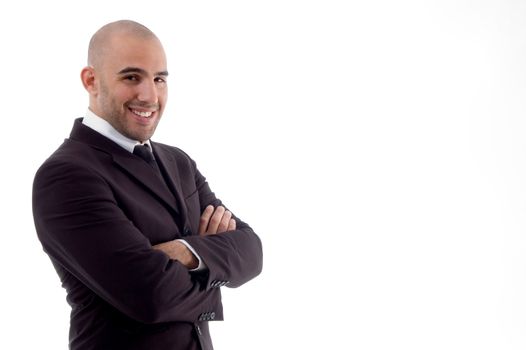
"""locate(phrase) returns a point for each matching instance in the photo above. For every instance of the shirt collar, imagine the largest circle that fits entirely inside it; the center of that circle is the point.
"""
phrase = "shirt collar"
(104, 128)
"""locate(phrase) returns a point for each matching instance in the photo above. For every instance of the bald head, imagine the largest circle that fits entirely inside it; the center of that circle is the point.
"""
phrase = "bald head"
(101, 41)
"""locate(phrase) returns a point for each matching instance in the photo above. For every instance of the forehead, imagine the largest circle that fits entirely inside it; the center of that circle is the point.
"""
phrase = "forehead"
(129, 51)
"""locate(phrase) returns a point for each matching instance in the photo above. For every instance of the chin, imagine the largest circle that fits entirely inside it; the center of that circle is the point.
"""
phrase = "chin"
(143, 136)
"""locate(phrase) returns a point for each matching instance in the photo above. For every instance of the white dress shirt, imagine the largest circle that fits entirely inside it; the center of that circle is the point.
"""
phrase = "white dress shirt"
(104, 128)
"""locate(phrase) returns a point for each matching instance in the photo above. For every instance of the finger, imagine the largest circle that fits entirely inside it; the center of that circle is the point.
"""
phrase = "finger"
(205, 219)
(232, 225)
(215, 220)
(225, 220)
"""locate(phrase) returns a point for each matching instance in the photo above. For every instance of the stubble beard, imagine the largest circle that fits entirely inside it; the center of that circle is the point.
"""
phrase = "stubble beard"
(115, 114)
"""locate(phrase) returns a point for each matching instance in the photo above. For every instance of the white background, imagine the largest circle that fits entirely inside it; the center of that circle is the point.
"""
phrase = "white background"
(377, 147)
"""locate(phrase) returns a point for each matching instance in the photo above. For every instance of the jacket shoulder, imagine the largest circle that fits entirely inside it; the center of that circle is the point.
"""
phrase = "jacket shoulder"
(71, 156)
(174, 153)
(172, 150)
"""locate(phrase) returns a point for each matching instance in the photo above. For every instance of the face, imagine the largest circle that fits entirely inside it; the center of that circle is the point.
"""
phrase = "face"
(129, 87)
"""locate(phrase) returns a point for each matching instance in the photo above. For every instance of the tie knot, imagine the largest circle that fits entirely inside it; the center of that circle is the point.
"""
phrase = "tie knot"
(145, 153)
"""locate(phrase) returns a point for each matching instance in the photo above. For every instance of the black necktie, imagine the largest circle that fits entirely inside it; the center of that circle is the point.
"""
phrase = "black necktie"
(146, 154)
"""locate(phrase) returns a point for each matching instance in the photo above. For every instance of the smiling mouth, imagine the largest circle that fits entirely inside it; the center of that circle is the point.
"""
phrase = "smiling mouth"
(143, 114)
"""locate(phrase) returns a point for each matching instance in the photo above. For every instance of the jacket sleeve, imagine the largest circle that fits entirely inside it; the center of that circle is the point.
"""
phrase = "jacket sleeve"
(82, 228)
(232, 257)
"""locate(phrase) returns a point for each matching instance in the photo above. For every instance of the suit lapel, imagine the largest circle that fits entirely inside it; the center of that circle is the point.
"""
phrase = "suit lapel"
(129, 163)
(171, 176)
(146, 176)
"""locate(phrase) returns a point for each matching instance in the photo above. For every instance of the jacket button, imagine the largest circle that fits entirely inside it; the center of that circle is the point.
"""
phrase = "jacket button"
(207, 316)
(187, 231)
(215, 284)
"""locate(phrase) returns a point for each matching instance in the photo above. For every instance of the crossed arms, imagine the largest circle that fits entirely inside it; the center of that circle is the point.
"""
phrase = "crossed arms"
(212, 221)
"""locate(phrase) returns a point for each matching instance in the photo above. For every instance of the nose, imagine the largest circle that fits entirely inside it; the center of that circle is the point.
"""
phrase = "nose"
(147, 92)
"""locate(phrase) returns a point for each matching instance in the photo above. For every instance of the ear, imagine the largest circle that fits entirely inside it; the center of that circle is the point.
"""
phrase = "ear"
(87, 75)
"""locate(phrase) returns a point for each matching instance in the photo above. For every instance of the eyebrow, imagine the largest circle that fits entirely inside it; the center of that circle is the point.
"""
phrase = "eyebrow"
(140, 71)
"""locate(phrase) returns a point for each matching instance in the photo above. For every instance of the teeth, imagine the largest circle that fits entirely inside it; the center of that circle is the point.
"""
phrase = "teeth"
(142, 114)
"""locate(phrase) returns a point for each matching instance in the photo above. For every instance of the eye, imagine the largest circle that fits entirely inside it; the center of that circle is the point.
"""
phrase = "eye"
(160, 80)
(131, 77)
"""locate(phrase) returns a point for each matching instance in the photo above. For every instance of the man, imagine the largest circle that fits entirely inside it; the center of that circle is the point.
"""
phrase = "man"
(140, 242)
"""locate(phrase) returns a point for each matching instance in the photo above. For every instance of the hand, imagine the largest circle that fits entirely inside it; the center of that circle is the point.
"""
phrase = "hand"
(212, 221)
(178, 251)
(215, 221)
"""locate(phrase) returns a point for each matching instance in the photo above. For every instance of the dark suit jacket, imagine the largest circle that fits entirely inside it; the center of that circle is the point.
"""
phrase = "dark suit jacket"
(98, 210)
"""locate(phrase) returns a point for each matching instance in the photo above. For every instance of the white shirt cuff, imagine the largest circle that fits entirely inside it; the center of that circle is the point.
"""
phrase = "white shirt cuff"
(201, 266)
